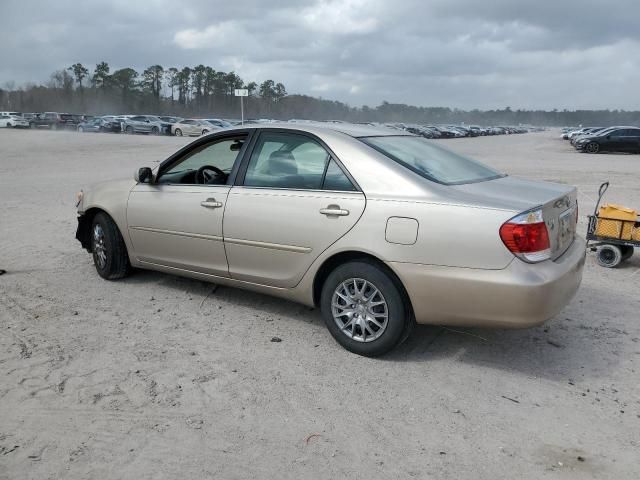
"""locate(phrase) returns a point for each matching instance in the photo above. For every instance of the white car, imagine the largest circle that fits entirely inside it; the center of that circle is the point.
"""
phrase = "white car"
(13, 121)
(192, 127)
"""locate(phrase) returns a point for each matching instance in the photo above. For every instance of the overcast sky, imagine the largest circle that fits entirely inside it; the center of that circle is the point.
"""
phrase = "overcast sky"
(458, 53)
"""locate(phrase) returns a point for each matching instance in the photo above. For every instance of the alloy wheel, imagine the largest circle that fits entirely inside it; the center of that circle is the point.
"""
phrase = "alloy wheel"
(360, 310)
(592, 147)
(99, 248)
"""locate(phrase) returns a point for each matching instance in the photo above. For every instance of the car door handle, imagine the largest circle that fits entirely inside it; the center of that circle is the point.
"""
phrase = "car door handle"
(332, 210)
(211, 203)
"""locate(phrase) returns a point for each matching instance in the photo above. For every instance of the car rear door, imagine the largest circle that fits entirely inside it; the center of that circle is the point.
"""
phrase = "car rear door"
(616, 141)
(177, 222)
(292, 200)
(634, 140)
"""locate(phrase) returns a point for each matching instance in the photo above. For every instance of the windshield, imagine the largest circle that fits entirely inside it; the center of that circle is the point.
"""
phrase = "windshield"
(431, 161)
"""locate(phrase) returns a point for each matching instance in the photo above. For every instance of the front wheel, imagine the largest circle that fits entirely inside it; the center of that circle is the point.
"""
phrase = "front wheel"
(155, 131)
(178, 132)
(80, 129)
(109, 250)
(609, 256)
(364, 308)
(129, 130)
(204, 132)
(592, 147)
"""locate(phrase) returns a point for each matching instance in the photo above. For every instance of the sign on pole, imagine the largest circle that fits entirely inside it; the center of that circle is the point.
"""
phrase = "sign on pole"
(242, 92)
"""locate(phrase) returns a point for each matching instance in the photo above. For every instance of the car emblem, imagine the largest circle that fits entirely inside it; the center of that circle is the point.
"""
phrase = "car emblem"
(562, 202)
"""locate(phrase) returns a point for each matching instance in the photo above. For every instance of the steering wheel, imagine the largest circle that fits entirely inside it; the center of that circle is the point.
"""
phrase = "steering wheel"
(207, 174)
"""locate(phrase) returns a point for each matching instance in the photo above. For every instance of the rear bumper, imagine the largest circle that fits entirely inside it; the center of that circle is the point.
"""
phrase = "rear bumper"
(521, 295)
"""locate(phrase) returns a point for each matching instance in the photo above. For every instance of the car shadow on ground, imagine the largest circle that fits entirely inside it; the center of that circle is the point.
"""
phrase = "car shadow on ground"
(564, 347)
(570, 345)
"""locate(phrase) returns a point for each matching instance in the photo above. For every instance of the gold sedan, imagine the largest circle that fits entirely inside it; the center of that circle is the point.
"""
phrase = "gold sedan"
(378, 228)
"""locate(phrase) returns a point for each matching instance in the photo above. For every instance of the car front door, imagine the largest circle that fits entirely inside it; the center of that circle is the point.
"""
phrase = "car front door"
(176, 221)
(139, 124)
(292, 201)
(189, 127)
(616, 141)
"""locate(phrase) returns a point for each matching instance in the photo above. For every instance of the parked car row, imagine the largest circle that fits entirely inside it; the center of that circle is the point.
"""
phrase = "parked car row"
(457, 131)
(130, 124)
(604, 139)
(178, 126)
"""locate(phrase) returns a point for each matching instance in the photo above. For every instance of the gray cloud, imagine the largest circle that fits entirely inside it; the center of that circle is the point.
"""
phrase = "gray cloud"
(466, 54)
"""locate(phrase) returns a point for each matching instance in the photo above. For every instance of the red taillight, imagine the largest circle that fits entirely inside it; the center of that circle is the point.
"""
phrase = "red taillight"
(526, 236)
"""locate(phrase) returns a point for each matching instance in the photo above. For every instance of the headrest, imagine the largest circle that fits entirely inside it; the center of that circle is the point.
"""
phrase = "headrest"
(282, 162)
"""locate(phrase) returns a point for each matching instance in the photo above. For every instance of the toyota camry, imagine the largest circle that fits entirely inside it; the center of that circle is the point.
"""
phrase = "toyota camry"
(378, 228)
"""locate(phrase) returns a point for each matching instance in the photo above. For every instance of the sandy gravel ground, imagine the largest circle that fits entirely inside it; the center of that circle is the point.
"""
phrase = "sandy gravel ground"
(157, 377)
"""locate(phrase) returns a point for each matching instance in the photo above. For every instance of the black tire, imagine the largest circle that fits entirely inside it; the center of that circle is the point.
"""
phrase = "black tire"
(116, 264)
(592, 147)
(399, 320)
(609, 256)
(32, 125)
(627, 252)
(155, 130)
(204, 132)
(9, 125)
(178, 132)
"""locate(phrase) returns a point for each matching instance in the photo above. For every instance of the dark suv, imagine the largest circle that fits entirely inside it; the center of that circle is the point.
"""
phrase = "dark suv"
(51, 120)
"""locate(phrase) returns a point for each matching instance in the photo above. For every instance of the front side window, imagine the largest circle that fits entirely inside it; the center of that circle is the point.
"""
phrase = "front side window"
(431, 161)
(208, 164)
(289, 160)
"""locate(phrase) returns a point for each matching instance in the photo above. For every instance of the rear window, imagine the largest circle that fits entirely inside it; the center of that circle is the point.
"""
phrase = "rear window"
(432, 161)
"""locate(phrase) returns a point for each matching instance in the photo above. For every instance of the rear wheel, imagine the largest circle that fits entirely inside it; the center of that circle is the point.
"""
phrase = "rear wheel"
(592, 147)
(129, 130)
(80, 129)
(609, 256)
(178, 132)
(364, 308)
(155, 131)
(204, 132)
(32, 125)
(109, 250)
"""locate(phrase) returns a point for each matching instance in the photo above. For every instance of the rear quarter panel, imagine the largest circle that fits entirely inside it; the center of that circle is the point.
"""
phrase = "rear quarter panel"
(447, 235)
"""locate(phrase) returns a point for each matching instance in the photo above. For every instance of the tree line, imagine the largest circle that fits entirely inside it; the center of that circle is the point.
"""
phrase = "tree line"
(203, 91)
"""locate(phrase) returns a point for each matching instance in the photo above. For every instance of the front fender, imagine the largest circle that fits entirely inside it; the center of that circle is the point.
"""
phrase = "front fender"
(110, 197)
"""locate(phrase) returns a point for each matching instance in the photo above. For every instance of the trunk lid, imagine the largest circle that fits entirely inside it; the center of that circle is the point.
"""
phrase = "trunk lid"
(558, 203)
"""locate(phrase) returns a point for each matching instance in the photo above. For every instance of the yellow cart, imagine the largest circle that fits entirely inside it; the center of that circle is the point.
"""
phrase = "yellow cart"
(613, 232)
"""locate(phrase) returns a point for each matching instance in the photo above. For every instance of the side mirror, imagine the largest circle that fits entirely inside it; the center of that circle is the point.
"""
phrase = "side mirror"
(143, 175)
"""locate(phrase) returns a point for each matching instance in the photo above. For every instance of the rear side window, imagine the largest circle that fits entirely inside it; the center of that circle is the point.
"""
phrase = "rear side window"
(431, 161)
(335, 179)
(288, 160)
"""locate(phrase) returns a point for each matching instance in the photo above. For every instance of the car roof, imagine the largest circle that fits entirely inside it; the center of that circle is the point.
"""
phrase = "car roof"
(353, 130)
